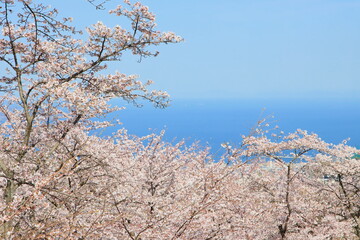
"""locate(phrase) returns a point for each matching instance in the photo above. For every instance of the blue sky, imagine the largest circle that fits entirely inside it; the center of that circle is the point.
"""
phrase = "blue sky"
(254, 49)
(297, 59)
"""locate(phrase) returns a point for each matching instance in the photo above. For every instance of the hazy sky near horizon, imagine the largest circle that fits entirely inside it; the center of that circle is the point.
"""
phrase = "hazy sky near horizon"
(271, 49)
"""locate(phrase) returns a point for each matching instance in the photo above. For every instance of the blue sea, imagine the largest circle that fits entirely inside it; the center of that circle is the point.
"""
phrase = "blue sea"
(213, 122)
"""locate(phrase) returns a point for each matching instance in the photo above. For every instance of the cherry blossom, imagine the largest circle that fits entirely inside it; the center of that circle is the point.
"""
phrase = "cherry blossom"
(59, 180)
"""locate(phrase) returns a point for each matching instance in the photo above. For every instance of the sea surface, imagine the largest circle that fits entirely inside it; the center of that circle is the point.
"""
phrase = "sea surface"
(213, 122)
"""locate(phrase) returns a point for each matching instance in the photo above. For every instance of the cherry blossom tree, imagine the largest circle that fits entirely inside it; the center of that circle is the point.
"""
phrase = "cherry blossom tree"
(289, 194)
(59, 181)
(54, 83)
